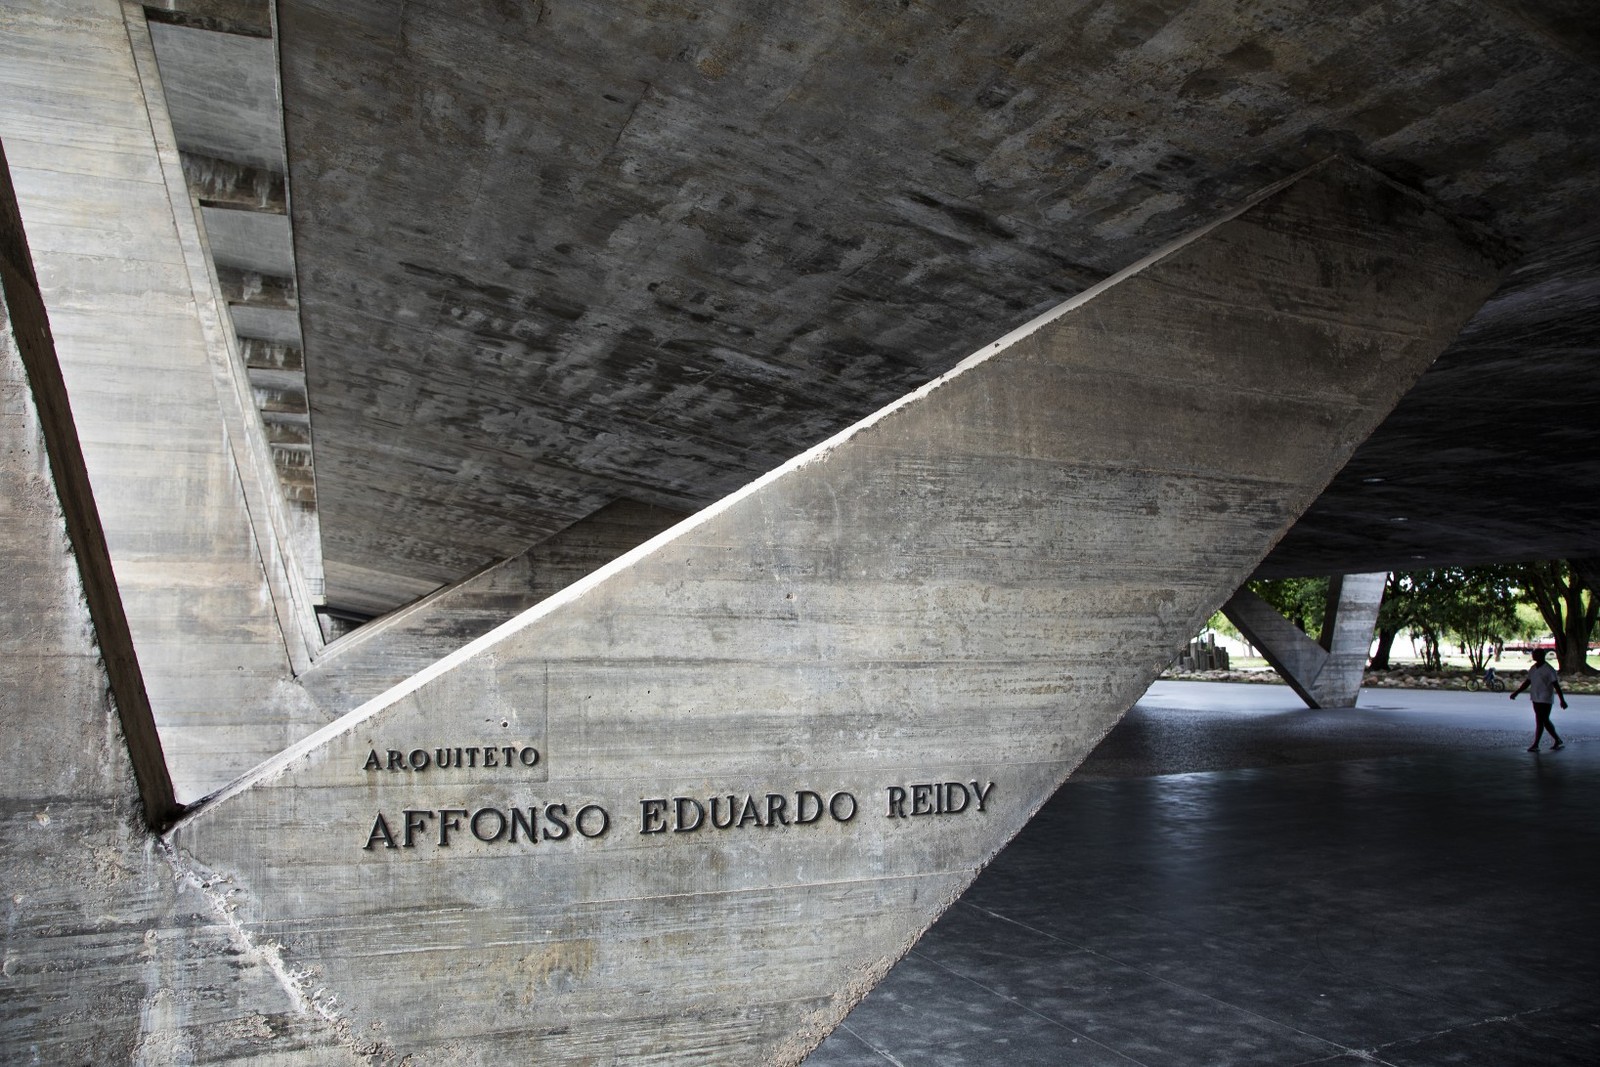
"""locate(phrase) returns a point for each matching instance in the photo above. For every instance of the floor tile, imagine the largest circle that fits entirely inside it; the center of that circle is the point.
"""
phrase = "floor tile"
(1330, 904)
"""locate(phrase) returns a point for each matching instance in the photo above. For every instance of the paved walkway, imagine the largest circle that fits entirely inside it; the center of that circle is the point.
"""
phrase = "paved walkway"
(1231, 879)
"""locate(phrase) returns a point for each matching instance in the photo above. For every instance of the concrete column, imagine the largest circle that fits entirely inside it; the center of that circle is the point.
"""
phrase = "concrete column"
(131, 301)
(387, 651)
(1325, 673)
(694, 806)
(111, 956)
(50, 517)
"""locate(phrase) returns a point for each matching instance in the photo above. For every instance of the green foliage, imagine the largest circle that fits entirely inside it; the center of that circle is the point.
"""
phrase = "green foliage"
(1303, 601)
(1476, 606)
(1567, 596)
(1530, 623)
(1219, 623)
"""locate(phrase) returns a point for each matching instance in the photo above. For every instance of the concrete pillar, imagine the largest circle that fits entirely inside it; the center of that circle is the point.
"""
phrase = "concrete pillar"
(49, 522)
(693, 807)
(1325, 673)
(387, 651)
(109, 952)
(184, 495)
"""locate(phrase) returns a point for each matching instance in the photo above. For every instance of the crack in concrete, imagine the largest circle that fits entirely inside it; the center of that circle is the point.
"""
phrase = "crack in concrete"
(317, 1003)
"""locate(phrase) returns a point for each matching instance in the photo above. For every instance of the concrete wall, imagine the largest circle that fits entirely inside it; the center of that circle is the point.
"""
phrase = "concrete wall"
(387, 651)
(111, 955)
(756, 757)
(135, 316)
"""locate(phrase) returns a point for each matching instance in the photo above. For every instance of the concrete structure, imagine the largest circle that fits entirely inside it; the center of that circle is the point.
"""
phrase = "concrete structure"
(215, 601)
(381, 655)
(782, 722)
(106, 952)
(1325, 672)
(356, 309)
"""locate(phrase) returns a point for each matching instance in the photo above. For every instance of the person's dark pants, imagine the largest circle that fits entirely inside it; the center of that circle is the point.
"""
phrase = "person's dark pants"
(1541, 724)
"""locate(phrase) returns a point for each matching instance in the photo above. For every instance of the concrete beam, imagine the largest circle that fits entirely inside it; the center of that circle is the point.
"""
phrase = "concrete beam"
(181, 471)
(248, 288)
(100, 931)
(694, 806)
(279, 394)
(256, 241)
(38, 426)
(218, 183)
(221, 90)
(1347, 630)
(1326, 673)
(271, 355)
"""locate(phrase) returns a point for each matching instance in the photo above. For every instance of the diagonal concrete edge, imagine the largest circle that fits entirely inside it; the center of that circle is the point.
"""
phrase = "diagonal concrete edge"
(1290, 652)
(387, 651)
(23, 317)
(694, 806)
(1325, 674)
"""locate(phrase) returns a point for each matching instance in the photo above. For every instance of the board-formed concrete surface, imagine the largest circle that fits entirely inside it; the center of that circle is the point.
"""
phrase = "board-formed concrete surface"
(1231, 878)
(111, 956)
(779, 739)
(387, 651)
(200, 568)
(557, 253)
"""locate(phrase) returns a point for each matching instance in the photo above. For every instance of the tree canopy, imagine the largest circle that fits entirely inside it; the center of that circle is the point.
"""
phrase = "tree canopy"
(1567, 594)
(1472, 607)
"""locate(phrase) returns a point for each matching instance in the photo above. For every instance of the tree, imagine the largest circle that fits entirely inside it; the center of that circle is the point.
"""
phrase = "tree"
(1477, 605)
(1429, 592)
(1412, 600)
(1394, 615)
(1565, 593)
(1303, 601)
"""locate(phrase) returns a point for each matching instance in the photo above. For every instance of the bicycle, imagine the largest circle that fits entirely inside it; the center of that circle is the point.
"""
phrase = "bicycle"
(1490, 682)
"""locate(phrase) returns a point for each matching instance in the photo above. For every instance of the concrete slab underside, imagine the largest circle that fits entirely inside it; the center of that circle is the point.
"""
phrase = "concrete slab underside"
(1433, 906)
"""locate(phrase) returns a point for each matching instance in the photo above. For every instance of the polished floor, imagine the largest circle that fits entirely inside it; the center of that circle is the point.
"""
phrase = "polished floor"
(1231, 879)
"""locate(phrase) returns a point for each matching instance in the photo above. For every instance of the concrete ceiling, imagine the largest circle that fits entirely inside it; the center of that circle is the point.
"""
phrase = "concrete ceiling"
(551, 254)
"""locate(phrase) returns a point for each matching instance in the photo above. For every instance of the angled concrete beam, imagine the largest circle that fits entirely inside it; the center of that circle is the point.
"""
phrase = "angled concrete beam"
(1347, 631)
(693, 807)
(180, 470)
(387, 651)
(1326, 673)
(94, 914)
(38, 418)
(1287, 648)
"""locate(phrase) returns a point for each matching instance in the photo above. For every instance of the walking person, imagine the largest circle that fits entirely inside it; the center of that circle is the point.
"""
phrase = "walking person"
(1542, 683)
